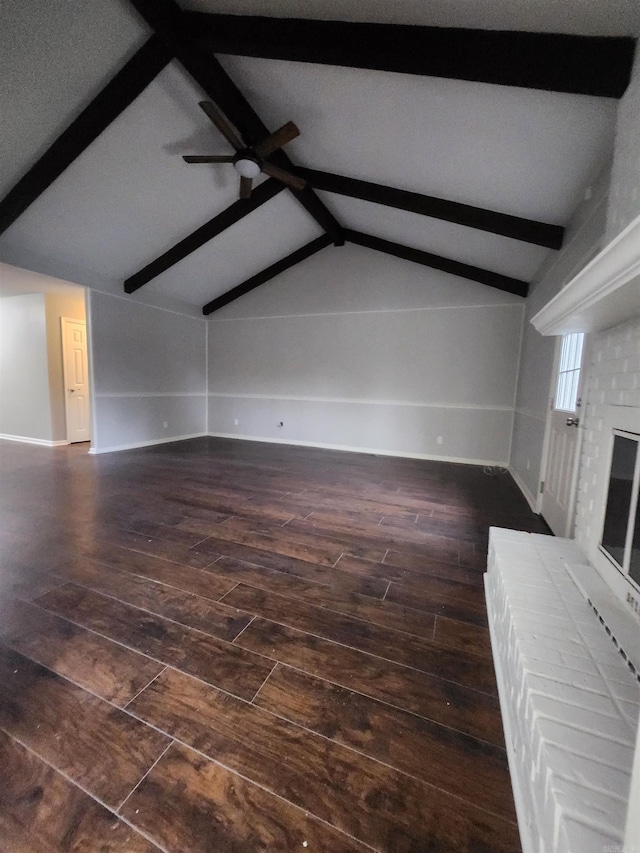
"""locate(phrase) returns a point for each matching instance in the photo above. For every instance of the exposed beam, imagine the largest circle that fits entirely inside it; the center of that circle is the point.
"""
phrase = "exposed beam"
(585, 65)
(492, 279)
(167, 19)
(268, 273)
(527, 230)
(239, 209)
(124, 88)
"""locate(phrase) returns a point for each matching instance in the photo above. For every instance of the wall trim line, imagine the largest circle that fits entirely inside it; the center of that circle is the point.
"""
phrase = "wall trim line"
(520, 305)
(342, 400)
(530, 413)
(108, 394)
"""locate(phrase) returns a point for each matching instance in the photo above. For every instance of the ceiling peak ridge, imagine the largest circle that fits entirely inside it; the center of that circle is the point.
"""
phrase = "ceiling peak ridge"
(169, 23)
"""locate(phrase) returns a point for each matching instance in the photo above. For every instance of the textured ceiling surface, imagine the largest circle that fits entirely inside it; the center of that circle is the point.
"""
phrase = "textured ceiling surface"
(129, 196)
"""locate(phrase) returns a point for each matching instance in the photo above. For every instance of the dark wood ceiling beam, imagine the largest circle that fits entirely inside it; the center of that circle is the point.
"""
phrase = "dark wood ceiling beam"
(268, 273)
(527, 230)
(168, 21)
(124, 88)
(492, 279)
(584, 65)
(234, 213)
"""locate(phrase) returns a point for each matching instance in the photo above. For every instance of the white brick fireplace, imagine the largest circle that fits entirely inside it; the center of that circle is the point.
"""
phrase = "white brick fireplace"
(565, 623)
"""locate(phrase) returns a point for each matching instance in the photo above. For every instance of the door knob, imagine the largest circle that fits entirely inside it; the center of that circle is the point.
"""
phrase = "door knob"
(573, 421)
(71, 390)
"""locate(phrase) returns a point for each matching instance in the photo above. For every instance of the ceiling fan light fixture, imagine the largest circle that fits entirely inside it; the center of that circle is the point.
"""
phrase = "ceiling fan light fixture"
(246, 167)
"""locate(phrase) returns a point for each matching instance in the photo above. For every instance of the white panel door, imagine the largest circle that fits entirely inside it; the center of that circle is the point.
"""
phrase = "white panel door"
(76, 380)
(563, 439)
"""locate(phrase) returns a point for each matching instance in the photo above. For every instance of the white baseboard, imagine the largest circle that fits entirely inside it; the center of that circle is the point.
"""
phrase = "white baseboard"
(355, 449)
(40, 441)
(525, 491)
(96, 451)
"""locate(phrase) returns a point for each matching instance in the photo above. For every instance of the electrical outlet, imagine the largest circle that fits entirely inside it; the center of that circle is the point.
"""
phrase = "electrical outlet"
(236, 422)
(165, 424)
(439, 439)
(528, 464)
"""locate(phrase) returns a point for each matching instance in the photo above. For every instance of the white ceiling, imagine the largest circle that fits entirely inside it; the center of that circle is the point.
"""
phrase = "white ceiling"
(519, 151)
(54, 58)
(129, 197)
(266, 235)
(492, 251)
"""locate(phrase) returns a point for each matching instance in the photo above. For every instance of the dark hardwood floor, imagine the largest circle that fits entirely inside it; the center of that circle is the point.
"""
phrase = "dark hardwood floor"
(227, 646)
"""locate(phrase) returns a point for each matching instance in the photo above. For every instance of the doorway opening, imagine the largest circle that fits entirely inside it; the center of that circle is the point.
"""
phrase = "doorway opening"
(563, 438)
(36, 372)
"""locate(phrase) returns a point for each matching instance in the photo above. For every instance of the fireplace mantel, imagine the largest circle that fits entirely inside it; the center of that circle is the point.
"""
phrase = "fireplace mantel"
(605, 293)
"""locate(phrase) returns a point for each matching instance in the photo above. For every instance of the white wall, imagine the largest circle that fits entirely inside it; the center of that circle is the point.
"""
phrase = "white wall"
(25, 410)
(59, 305)
(149, 368)
(585, 234)
(624, 200)
(613, 370)
(355, 349)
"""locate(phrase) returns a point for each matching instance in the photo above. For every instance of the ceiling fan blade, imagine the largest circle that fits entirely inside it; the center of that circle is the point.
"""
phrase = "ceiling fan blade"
(245, 187)
(285, 134)
(208, 158)
(284, 176)
(222, 123)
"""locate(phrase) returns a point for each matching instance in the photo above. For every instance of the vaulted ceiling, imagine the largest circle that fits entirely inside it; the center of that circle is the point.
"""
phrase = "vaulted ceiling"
(465, 148)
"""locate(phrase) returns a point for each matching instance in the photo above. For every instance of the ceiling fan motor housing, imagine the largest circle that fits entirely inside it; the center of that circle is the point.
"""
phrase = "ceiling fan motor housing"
(247, 163)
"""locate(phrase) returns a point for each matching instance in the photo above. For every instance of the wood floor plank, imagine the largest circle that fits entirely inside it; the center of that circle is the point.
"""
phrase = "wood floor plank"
(213, 618)
(99, 747)
(463, 636)
(42, 812)
(403, 740)
(171, 551)
(373, 802)
(170, 532)
(286, 532)
(413, 578)
(446, 702)
(321, 555)
(189, 803)
(375, 587)
(416, 652)
(198, 581)
(253, 508)
(433, 588)
(387, 614)
(213, 660)
(95, 663)
(431, 566)
(27, 584)
(421, 545)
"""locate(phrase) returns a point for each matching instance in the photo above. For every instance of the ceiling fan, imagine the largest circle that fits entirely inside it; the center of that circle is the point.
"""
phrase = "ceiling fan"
(249, 161)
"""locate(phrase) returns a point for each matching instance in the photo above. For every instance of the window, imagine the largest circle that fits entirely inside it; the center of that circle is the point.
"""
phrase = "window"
(621, 533)
(569, 372)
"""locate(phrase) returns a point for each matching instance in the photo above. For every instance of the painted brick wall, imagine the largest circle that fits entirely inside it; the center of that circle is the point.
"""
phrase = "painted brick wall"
(569, 703)
(612, 379)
